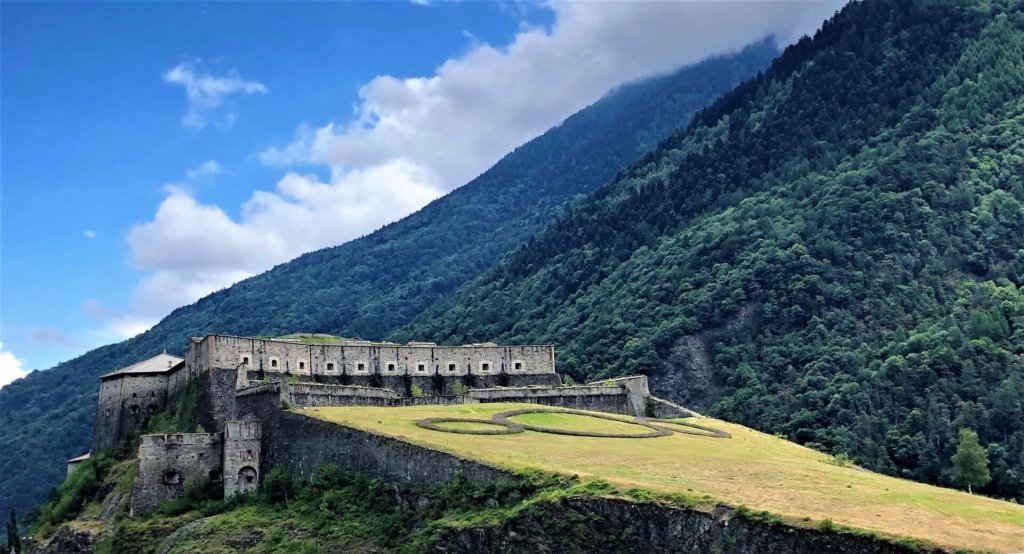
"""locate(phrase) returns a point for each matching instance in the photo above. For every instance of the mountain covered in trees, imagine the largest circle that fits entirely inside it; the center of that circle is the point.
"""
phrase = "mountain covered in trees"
(834, 251)
(369, 286)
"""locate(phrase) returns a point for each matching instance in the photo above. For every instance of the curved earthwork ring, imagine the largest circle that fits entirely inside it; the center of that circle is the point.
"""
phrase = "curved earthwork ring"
(710, 432)
(654, 431)
(432, 424)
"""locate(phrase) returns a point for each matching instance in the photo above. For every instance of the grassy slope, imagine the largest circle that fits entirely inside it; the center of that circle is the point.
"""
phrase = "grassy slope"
(751, 469)
(834, 251)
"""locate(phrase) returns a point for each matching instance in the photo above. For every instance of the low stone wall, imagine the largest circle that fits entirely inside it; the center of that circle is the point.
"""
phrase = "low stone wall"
(167, 463)
(301, 444)
(313, 394)
(402, 385)
(663, 409)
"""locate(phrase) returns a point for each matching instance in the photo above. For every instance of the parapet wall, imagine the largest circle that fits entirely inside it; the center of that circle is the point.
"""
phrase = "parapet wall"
(168, 463)
(355, 359)
(625, 395)
(301, 444)
(312, 394)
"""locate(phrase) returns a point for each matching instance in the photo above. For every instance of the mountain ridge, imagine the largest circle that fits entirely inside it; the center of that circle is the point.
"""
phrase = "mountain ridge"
(358, 289)
(832, 251)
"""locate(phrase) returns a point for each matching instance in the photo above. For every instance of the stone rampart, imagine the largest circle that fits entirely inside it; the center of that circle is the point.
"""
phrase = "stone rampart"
(313, 394)
(364, 359)
(301, 444)
(625, 395)
(167, 463)
(242, 446)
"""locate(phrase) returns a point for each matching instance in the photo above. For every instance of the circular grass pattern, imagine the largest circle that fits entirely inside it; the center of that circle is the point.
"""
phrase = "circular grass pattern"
(437, 424)
(508, 427)
(650, 433)
(701, 430)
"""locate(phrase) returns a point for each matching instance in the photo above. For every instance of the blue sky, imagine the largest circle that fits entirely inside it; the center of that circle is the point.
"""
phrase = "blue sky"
(154, 152)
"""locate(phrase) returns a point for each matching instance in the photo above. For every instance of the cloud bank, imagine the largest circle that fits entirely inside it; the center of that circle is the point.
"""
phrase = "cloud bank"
(413, 140)
(10, 367)
(208, 95)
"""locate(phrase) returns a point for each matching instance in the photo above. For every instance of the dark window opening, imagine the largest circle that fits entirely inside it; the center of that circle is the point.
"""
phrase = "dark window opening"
(273, 363)
(361, 367)
(246, 478)
(519, 365)
(171, 477)
(485, 367)
(133, 409)
(391, 367)
(152, 408)
(421, 368)
(330, 367)
(451, 367)
(245, 360)
(302, 365)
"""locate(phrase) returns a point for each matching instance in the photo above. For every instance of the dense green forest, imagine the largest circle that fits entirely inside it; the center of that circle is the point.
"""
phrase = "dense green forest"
(834, 251)
(371, 285)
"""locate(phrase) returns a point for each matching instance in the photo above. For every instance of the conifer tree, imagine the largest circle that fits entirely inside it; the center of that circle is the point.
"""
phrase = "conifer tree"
(13, 539)
(970, 463)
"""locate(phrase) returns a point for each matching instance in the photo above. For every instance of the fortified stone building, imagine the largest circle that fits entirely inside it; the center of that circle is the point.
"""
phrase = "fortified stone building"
(246, 384)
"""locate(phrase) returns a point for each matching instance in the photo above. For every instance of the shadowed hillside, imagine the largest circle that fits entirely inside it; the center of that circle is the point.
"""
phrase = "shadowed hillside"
(371, 285)
(833, 251)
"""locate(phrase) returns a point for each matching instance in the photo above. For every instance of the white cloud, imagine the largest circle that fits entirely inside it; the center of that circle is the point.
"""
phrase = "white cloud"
(10, 367)
(89, 234)
(412, 140)
(209, 167)
(208, 95)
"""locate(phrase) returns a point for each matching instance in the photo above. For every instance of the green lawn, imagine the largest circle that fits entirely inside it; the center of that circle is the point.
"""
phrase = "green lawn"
(580, 423)
(751, 469)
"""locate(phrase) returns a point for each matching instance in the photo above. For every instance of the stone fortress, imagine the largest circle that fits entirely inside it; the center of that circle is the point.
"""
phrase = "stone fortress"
(243, 387)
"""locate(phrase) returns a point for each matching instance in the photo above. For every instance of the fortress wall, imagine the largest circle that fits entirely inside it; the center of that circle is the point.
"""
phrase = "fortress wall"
(324, 361)
(108, 415)
(621, 396)
(301, 444)
(167, 463)
(313, 394)
(177, 380)
(125, 404)
(536, 359)
(614, 401)
(242, 444)
(305, 360)
(217, 405)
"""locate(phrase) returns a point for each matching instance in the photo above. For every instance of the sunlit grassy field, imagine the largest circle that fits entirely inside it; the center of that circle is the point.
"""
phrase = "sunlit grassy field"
(751, 469)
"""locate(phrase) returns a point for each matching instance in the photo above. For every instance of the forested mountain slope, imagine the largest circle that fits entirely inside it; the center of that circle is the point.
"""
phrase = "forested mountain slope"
(368, 286)
(833, 251)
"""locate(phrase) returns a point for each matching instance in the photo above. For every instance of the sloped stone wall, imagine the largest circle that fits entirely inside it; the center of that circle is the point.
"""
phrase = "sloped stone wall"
(168, 463)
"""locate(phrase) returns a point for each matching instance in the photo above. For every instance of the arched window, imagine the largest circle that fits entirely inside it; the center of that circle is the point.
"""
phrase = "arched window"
(247, 479)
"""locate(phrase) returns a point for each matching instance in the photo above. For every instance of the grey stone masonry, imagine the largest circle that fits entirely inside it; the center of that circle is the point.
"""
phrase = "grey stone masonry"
(130, 396)
(242, 444)
(168, 463)
(265, 357)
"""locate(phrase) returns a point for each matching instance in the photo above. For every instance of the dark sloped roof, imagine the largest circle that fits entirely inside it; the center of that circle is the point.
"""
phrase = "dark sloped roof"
(161, 363)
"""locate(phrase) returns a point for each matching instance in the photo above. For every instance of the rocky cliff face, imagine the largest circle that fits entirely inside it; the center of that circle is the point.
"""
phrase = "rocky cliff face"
(610, 526)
